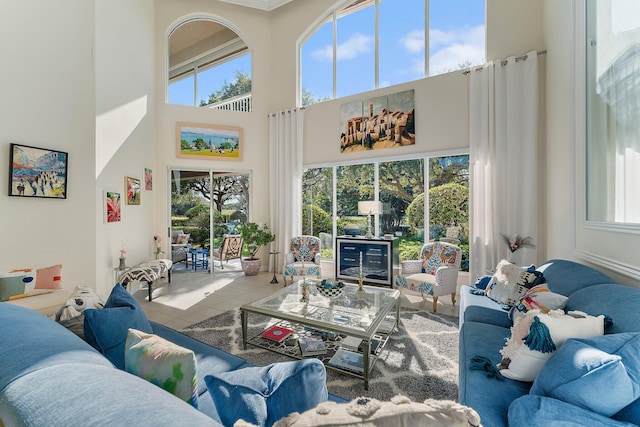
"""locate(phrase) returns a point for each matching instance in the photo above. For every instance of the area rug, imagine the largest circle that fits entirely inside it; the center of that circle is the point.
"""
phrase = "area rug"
(420, 359)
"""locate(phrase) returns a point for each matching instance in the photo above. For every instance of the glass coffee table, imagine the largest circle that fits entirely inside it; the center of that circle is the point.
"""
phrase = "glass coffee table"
(368, 316)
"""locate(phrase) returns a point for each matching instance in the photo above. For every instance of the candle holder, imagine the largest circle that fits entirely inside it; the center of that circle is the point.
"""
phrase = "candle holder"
(361, 278)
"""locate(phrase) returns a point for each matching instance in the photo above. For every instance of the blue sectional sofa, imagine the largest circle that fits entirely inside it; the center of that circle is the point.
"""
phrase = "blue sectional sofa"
(485, 325)
(50, 376)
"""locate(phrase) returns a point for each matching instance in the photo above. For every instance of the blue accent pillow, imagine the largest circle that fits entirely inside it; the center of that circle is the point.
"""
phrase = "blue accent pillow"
(106, 329)
(599, 374)
(263, 395)
(482, 282)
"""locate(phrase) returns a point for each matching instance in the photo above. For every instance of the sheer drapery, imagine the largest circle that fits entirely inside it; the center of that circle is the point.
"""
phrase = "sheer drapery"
(503, 140)
(285, 172)
(617, 162)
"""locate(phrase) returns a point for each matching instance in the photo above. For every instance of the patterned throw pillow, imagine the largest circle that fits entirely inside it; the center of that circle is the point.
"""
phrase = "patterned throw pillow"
(163, 363)
(11, 285)
(539, 297)
(183, 239)
(49, 278)
(536, 336)
(81, 298)
(510, 282)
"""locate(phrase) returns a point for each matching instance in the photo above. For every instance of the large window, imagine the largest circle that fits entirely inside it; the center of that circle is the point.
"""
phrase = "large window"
(368, 44)
(613, 111)
(399, 186)
(209, 66)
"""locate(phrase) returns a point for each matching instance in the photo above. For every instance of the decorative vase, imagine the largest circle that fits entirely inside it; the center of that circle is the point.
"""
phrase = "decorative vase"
(122, 265)
(251, 267)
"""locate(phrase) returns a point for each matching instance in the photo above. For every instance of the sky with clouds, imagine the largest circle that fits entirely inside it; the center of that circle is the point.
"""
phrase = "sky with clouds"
(456, 37)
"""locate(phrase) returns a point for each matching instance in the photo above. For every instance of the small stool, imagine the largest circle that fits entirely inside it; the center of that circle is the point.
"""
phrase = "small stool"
(199, 258)
(149, 272)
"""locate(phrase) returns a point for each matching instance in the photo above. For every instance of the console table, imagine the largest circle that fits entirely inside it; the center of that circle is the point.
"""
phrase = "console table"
(379, 259)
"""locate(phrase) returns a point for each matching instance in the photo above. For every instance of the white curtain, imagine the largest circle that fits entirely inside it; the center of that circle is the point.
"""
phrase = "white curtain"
(503, 139)
(285, 172)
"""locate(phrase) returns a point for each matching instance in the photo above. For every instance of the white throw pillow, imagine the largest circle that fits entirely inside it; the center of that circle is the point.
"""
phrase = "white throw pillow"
(509, 283)
(400, 411)
(524, 356)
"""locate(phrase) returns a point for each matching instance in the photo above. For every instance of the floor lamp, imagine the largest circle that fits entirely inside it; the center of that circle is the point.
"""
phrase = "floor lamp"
(369, 208)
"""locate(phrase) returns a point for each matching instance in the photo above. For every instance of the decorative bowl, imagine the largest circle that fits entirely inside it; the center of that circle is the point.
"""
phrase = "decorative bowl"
(330, 289)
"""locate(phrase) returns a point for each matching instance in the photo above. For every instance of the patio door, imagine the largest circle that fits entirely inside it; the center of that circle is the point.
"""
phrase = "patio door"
(205, 204)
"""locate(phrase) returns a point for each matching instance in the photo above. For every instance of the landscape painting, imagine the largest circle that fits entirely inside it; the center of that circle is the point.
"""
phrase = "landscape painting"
(198, 141)
(37, 172)
(378, 123)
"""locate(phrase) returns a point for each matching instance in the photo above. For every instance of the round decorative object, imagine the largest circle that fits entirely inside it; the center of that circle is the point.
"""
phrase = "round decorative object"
(330, 289)
(251, 267)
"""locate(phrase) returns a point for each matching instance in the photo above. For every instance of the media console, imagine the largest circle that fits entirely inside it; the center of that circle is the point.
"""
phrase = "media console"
(379, 259)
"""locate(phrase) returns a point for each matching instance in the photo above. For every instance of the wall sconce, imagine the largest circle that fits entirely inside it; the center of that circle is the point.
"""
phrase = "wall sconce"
(369, 208)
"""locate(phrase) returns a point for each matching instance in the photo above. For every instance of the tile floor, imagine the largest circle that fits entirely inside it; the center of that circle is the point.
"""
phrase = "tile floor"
(193, 296)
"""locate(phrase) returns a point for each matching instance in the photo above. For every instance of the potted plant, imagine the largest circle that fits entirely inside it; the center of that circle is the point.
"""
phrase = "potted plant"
(254, 237)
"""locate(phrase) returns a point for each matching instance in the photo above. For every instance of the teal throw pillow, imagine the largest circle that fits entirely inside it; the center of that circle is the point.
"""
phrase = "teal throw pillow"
(599, 374)
(106, 329)
(263, 395)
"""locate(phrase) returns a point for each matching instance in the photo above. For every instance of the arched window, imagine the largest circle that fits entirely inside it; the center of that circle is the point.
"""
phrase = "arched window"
(209, 66)
(363, 45)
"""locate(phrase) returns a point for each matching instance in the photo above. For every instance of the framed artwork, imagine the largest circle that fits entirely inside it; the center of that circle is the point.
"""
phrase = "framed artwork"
(197, 141)
(37, 172)
(112, 207)
(148, 179)
(377, 123)
(132, 190)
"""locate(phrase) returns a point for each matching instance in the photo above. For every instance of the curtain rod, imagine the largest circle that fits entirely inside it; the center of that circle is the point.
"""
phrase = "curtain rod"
(504, 62)
(284, 111)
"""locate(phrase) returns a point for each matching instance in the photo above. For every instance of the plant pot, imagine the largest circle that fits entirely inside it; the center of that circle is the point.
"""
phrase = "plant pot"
(251, 266)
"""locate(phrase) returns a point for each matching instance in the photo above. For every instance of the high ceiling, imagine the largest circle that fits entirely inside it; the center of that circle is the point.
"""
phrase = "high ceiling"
(259, 4)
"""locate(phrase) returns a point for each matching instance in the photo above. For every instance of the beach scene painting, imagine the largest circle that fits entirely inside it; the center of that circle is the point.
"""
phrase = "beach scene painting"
(37, 172)
(378, 123)
(200, 141)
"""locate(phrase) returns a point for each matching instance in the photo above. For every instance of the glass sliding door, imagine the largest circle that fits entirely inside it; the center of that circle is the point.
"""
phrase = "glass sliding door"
(354, 183)
(449, 202)
(317, 207)
(204, 205)
(400, 186)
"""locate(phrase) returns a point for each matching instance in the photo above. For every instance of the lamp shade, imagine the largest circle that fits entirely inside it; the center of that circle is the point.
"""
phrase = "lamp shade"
(369, 208)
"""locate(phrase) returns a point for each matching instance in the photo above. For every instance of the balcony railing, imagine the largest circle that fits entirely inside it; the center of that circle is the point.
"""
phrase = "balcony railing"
(237, 103)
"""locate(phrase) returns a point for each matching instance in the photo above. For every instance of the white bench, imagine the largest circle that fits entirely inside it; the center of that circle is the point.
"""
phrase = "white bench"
(149, 272)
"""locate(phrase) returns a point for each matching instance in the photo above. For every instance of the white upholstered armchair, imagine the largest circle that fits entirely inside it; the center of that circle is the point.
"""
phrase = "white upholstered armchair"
(435, 273)
(303, 257)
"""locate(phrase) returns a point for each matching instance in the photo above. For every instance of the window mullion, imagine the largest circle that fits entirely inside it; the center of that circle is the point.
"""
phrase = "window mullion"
(426, 38)
(335, 53)
(195, 84)
(376, 73)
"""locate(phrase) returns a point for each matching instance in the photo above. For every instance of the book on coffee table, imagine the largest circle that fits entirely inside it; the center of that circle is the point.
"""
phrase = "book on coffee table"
(311, 346)
(350, 361)
(277, 333)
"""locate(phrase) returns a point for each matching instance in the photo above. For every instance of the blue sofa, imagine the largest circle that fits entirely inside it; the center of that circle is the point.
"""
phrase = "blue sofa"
(50, 376)
(484, 327)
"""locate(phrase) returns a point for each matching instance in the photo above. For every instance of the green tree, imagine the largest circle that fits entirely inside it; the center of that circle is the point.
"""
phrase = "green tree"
(240, 86)
(354, 183)
(448, 206)
(320, 220)
(308, 98)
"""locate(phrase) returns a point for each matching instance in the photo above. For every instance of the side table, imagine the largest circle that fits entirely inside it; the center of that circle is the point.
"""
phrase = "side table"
(275, 264)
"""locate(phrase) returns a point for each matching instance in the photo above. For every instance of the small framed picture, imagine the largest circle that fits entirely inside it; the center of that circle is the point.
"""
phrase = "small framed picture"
(148, 179)
(132, 190)
(112, 207)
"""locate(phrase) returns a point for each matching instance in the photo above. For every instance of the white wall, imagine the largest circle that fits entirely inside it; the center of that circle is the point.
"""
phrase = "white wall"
(125, 130)
(47, 100)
